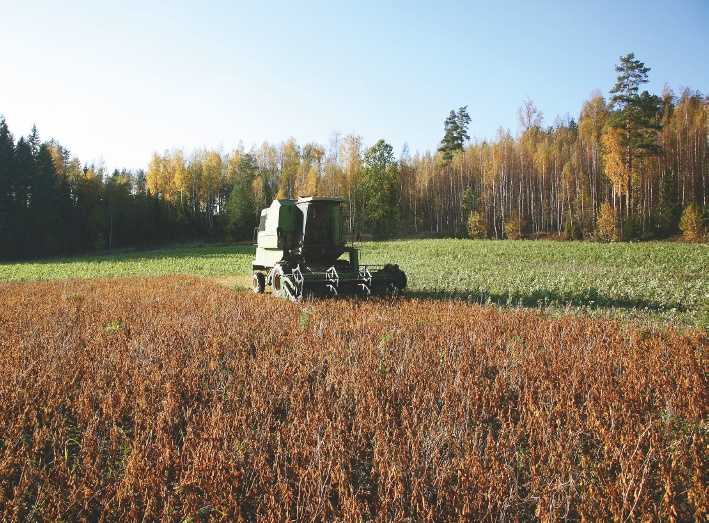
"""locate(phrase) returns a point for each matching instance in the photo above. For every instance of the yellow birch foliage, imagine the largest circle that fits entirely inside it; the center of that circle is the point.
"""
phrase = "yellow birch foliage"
(614, 161)
(691, 224)
(606, 226)
(477, 229)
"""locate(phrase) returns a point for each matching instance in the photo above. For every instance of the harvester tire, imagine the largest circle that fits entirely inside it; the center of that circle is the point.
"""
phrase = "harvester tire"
(259, 283)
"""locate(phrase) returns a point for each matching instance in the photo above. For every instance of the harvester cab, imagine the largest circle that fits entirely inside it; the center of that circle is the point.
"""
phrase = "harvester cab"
(301, 251)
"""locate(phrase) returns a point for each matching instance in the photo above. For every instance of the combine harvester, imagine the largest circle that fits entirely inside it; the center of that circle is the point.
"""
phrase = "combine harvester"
(298, 254)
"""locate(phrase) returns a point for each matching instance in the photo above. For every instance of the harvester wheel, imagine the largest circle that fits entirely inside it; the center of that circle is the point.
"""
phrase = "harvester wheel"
(259, 283)
(283, 285)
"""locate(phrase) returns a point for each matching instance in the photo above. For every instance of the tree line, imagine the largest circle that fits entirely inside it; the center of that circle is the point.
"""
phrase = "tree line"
(632, 165)
(50, 204)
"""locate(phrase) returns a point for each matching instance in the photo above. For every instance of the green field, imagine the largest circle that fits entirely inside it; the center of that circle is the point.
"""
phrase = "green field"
(667, 282)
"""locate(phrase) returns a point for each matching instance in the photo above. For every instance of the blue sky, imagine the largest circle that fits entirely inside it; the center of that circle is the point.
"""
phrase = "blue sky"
(116, 82)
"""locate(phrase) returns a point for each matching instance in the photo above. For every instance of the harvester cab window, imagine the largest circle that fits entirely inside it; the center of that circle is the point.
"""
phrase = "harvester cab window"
(318, 226)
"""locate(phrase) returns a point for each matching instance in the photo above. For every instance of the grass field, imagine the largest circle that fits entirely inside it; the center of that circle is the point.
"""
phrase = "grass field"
(654, 281)
(178, 399)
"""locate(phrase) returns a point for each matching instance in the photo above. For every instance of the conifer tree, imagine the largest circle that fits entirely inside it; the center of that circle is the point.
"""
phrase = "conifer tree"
(34, 141)
(45, 205)
(455, 132)
(24, 171)
(6, 188)
(241, 207)
(380, 190)
(634, 117)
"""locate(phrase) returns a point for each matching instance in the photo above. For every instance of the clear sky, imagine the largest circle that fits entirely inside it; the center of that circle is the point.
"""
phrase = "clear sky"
(115, 81)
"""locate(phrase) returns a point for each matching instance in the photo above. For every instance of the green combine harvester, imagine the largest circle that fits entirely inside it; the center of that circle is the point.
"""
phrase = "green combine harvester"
(301, 252)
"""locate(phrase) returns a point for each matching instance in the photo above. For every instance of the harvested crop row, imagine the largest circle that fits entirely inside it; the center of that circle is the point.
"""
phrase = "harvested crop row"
(174, 397)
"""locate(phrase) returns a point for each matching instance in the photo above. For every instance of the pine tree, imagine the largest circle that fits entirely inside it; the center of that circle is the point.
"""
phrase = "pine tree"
(455, 132)
(632, 73)
(634, 116)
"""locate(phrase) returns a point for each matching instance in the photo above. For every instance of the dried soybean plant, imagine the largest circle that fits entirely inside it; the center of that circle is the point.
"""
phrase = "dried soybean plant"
(172, 397)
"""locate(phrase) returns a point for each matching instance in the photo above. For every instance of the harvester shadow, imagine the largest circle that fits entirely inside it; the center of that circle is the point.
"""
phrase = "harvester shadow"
(590, 298)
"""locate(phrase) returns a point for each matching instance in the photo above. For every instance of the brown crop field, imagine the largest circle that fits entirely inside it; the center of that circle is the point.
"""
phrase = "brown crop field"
(172, 398)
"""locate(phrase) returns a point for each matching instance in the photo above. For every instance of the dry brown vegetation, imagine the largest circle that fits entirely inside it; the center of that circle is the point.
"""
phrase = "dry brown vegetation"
(175, 397)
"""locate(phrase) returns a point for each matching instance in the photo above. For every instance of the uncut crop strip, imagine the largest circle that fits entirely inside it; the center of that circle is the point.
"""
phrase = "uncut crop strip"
(173, 397)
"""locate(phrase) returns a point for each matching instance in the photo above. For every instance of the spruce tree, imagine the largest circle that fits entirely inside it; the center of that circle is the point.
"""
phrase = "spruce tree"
(34, 141)
(6, 203)
(380, 189)
(24, 172)
(241, 206)
(45, 206)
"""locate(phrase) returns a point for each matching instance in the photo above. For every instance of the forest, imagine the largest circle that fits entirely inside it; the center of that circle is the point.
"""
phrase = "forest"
(633, 165)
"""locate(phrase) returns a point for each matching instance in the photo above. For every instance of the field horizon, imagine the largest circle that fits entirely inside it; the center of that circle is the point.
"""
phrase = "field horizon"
(665, 282)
